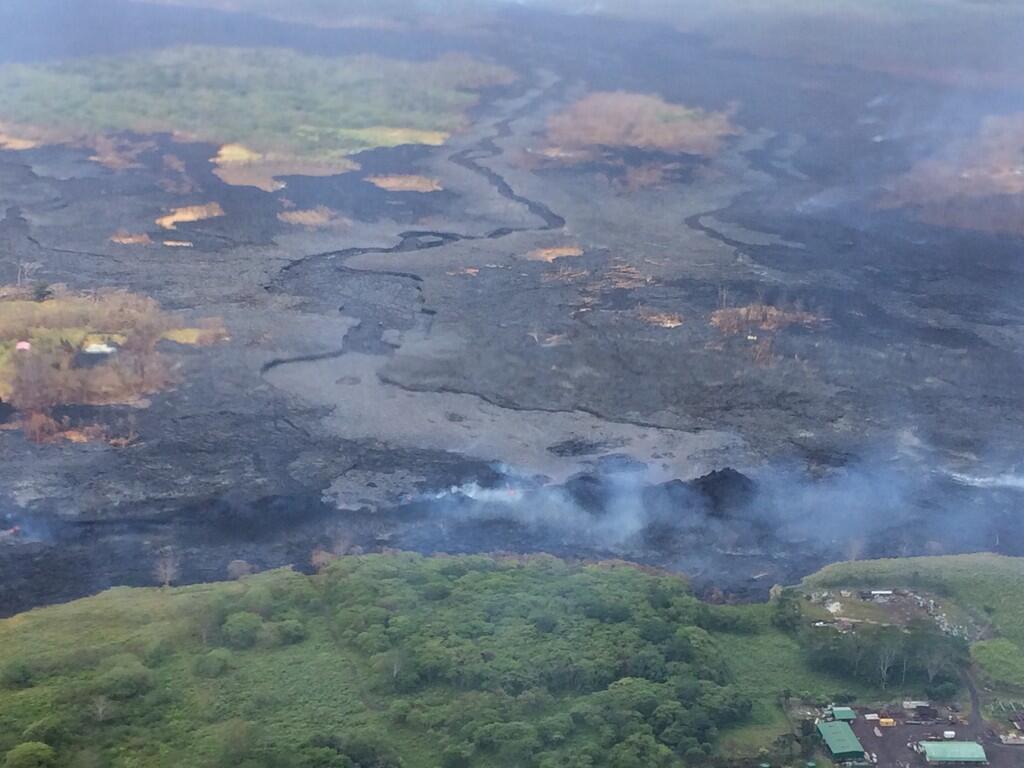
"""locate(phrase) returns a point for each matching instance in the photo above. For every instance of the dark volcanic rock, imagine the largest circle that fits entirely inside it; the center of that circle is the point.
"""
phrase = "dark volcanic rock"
(727, 491)
(590, 492)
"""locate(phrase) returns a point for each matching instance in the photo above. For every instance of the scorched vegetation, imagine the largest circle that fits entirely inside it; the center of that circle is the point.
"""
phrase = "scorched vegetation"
(635, 120)
(60, 348)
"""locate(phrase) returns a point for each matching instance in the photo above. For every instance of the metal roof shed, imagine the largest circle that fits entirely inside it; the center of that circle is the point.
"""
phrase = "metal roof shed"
(952, 752)
(843, 713)
(840, 740)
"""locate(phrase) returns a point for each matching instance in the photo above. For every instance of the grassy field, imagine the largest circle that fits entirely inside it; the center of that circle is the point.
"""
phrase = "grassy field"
(773, 661)
(406, 660)
(986, 586)
(274, 104)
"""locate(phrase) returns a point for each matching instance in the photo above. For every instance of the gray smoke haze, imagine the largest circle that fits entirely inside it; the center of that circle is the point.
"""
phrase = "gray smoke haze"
(847, 509)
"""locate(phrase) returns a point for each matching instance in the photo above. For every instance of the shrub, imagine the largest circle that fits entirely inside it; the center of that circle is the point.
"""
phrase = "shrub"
(49, 730)
(31, 754)
(436, 591)
(259, 599)
(323, 757)
(290, 631)
(787, 614)
(366, 749)
(87, 758)
(242, 629)
(513, 739)
(157, 652)
(263, 702)
(238, 740)
(944, 691)
(555, 729)
(126, 681)
(456, 757)
(607, 611)
(213, 664)
(695, 756)
(544, 622)
(17, 674)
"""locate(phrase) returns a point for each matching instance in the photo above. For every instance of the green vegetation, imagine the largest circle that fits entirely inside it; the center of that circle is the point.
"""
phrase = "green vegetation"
(985, 586)
(775, 661)
(917, 655)
(1001, 659)
(273, 101)
(401, 660)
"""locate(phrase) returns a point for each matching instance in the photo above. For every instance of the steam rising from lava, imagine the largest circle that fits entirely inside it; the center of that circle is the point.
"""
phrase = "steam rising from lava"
(867, 509)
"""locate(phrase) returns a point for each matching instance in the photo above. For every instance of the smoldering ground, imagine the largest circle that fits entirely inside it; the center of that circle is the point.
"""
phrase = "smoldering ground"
(727, 527)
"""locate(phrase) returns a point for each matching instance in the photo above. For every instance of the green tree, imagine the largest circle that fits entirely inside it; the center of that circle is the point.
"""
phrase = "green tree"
(640, 750)
(212, 664)
(242, 629)
(457, 757)
(368, 748)
(512, 741)
(126, 680)
(787, 614)
(17, 673)
(290, 631)
(50, 730)
(635, 693)
(237, 741)
(31, 754)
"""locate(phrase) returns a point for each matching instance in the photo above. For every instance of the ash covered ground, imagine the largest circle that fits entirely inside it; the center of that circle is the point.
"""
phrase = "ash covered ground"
(737, 366)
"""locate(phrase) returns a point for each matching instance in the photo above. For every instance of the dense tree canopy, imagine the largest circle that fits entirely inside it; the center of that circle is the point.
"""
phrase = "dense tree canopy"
(386, 662)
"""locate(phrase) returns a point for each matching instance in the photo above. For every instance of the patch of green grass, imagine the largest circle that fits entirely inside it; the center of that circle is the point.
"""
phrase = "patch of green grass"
(747, 740)
(773, 661)
(1002, 660)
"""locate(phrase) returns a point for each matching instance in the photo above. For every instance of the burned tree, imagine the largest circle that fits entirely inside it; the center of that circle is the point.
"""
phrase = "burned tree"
(167, 566)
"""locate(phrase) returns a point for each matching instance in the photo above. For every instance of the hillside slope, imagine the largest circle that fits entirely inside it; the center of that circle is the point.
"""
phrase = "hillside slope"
(986, 586)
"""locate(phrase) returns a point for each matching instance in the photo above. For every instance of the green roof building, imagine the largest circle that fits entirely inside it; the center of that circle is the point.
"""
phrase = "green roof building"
(843, 713)
(840, 740)
(953, 752)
